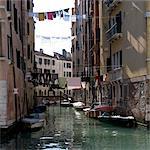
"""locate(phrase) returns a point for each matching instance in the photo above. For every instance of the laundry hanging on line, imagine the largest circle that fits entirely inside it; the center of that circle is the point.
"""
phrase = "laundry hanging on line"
(41, 16)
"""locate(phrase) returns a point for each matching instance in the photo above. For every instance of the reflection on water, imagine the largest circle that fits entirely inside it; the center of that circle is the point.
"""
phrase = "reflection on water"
(83, 133)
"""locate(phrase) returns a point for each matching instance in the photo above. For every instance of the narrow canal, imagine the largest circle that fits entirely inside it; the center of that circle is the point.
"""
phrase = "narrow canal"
(82, 132)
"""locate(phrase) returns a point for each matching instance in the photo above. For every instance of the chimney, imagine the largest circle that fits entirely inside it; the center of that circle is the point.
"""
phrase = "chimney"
(64, 53)
(41, 51)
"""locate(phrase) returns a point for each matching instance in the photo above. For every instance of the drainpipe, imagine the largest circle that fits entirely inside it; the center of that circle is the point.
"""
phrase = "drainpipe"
(147, 8)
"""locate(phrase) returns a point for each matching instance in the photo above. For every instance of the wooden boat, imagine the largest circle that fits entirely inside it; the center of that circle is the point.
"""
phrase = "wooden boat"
(125, 121)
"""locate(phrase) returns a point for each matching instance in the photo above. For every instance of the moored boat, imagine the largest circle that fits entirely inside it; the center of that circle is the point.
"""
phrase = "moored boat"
(33, 123)
(66, 103)
(125, 121)
(79, 105)
(96, 109)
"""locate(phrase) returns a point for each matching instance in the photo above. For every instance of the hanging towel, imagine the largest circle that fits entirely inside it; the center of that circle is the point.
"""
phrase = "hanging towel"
(73, 18)
(74, 83)
(62, 82)
(49, 16)
(66, 17)
(41, 16)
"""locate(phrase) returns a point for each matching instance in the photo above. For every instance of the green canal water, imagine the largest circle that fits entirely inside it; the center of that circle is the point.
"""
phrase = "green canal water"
(82, 132)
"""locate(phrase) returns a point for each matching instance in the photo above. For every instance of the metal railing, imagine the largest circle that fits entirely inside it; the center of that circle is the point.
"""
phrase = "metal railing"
(116, 74)
(112, 31)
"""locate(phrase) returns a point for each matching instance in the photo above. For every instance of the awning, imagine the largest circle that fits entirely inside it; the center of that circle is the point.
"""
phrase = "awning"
(74, 83)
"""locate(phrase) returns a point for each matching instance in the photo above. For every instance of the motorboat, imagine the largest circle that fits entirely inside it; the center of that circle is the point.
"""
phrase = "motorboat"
(79, 105)
(126, 121)
(66, 103)
(96, 109)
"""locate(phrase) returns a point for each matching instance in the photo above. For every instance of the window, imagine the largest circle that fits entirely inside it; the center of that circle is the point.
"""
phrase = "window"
(40, 93)
(28, 51)
(45, 92)
(18, 58)
(20, 31)
(77, 45)
(28, 4)
(28, 28)
(40, 61)
(120, 58)
(117, 60)
(9, 47)
(31, 56)
(46, 71)
(45, 61)
(8, 5)
(48, 62)
(119, 22)
(15, 19)
(64, 74)
(120, 90)
(53, 71)
(22, 66)
(64, 65)
(68, 65)
(114, 91)
(78, 62)
(69, 74)
(53, 62)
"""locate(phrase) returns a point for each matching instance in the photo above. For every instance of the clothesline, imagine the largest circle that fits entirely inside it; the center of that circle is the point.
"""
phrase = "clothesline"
(54, 37)
(64, 13)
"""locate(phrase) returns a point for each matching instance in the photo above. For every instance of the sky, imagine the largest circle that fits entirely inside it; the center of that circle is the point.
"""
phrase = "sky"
(52, 35)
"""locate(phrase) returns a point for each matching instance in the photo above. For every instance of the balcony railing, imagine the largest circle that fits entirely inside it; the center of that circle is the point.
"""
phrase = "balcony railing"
(116, 74)
(114, 32)
(111, 4)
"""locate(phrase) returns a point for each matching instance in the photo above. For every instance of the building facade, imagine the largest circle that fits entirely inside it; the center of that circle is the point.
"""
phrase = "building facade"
(57, 66)
(118, 50)
(88, 35)
(16, 59)
(127, 34)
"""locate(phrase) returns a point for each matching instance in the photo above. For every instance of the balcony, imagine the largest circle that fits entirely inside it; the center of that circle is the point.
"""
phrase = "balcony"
(114, 32)
(112, 4)
(116, 74)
